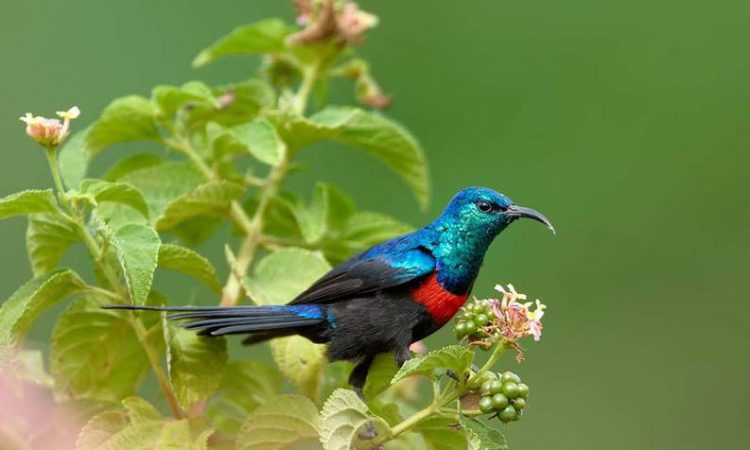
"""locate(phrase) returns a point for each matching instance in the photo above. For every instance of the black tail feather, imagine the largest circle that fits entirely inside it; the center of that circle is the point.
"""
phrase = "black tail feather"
(268, 321)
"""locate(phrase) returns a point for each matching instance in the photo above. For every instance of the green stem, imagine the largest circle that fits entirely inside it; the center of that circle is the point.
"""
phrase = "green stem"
(59, 186)
(440, 401)
(154, 359)
(309, 78)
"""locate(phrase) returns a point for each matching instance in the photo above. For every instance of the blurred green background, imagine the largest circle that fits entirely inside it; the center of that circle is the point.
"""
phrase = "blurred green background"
(626, 123)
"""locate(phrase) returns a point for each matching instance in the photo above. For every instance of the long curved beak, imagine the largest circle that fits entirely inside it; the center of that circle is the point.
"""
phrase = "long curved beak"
(516, 211)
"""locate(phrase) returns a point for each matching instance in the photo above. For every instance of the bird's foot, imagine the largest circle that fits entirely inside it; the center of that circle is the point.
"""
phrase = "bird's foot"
(474, 367)
(450, 373)
(369, 432)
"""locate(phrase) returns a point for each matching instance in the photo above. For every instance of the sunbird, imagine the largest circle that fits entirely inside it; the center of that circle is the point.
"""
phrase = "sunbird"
(383, 299)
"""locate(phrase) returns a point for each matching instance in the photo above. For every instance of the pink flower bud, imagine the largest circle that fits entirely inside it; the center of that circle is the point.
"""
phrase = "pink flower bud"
(50, 132)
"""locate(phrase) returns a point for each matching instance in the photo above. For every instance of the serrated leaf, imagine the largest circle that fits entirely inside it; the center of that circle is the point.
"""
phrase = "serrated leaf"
(126, 119)
(187, 261)
(435, 363)
(209, 199)
(282, 275)
(19, 312)
(124, 193)
(73, 159)
(80, 367)
(137, 250)
(279, 423)
(343, 415)
(131, 164)
(195, 364)
(95, 434)
(265, 36)
(48, 237)
(31, 201)
(141, 428)
(442, 433)
(171, 98)
(301, 361)
(384, 139)
(481, 436)
(244, 386)
(31, 367)
(261, 140)
(241, 103)
(163, 183)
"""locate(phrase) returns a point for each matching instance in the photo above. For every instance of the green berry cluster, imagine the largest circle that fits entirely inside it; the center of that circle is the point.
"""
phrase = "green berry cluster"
(505, 395)
(473, 319)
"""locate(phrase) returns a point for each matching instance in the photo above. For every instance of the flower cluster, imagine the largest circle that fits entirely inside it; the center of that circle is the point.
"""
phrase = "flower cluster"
(50, 132)
(516, 319)
(325, 20)
(483, 322)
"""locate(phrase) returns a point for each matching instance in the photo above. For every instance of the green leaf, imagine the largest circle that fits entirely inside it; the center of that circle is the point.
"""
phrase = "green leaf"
(48, 237)
(31, 300)
(261, 140)
(279, 423)
(209, 199)
(141, 428)
(137, 250)
(369, 228)
(73, 159)
(377, 135)
(265, 36)
(126, 119)
(124, 193)
(195, 363)
(301, 361)
(131, 164)
(384, 139)
(245, 385)
(282, 275)
(379, 376)
(277, 279)
(241, 103)
(169, 99)
(100, 429)
(162, 184)
(31, 201)
(442, 433)
(488, 438)
(343, 415)
(187, 261)
(329, 209)
(435, 363)
(80, 367)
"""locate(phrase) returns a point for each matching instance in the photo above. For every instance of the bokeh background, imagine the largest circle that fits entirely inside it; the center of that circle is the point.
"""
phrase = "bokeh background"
(626, 122)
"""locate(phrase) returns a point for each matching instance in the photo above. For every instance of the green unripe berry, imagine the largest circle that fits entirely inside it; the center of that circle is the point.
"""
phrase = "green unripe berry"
(496, 387)
(485, 405)
(523, 390)
(482, 319)
(510, 390)
(460, 329)
(511, 377)
(477, 382)
(499, 401)
(518, 403)
(508, 414)
(471, 327)
(485, 389)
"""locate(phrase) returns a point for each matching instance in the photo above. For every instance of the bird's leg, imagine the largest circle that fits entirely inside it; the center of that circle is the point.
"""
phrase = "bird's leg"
(359, 375)
(402, 355)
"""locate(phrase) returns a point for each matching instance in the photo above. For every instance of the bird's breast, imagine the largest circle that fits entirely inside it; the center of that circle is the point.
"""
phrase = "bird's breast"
(440, 303)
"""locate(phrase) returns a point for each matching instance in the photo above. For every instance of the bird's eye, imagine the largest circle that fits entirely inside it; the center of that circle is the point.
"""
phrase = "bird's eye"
(484, 206)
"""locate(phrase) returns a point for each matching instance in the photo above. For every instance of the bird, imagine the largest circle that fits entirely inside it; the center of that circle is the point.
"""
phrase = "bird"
(383, 299)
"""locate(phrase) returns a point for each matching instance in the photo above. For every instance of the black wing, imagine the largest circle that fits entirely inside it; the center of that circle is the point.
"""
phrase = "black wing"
(365, 276)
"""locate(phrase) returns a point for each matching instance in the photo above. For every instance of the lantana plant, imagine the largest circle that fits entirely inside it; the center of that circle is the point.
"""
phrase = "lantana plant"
(223, 155)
